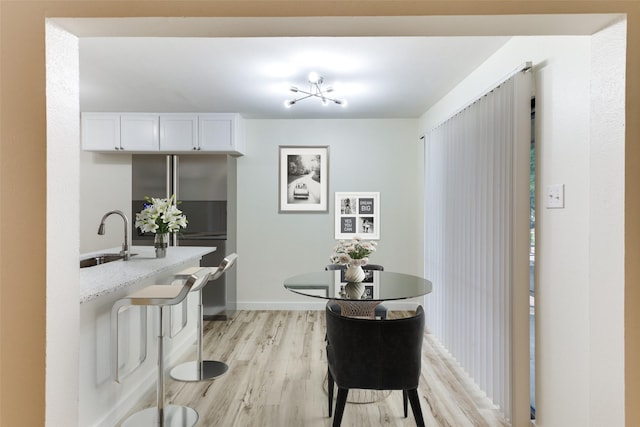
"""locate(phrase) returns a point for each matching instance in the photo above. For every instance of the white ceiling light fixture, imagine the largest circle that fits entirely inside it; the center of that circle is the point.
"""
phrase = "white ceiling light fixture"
(315, 91)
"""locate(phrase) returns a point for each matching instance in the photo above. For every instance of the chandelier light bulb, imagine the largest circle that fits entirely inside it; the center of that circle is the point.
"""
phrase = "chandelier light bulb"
(314, 77)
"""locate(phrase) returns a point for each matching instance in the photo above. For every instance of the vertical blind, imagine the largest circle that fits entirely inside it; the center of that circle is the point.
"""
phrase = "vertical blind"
(476, 241)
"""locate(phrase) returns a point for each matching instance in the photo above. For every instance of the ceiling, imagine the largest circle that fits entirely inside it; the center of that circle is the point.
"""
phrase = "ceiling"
(396, 70)
(378, 76)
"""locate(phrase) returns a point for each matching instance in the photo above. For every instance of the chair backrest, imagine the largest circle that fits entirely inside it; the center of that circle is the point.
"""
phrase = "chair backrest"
(225, 265)
(344, 267)
(194, 281)
(229, 261)
(199, 279)
(375, 354)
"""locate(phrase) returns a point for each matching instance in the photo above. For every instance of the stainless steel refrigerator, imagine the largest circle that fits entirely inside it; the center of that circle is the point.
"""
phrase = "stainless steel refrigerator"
(199, 183)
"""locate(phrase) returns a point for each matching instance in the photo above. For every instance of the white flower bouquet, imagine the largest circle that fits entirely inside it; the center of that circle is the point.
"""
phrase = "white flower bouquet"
(354, 252)
(160, 216)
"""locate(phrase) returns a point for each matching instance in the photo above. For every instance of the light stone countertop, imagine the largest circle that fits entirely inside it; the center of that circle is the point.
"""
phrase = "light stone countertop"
(107, 278)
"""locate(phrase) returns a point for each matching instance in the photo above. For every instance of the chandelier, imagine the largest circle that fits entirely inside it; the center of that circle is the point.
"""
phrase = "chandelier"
(315, 90)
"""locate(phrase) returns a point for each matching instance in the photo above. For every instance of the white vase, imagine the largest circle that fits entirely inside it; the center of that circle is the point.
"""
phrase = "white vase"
(354, 290)
(354, 274)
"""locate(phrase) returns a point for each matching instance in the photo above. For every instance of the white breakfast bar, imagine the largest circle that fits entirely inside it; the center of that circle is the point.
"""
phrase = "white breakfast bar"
(102, 400)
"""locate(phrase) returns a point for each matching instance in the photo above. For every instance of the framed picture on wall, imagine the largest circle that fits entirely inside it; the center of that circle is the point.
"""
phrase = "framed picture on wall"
(304, 179)
(357, 214)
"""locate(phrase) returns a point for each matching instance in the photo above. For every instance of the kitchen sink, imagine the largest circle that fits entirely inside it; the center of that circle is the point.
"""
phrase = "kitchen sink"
(99, 259)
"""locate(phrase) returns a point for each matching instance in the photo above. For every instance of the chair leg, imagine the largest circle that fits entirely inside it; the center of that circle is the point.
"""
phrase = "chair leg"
(340, 404)
(330, 387)
(160, 380)
(415, 406)
(405, 401)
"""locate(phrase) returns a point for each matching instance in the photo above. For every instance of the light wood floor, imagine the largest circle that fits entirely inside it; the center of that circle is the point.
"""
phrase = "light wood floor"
(277, 365)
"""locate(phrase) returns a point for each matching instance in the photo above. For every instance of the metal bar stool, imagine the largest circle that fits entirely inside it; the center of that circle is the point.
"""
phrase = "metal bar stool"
(202, 370)
(159, 296)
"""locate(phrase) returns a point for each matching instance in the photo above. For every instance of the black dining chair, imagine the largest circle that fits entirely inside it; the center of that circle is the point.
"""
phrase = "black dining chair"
(374, 355)
(380, 310)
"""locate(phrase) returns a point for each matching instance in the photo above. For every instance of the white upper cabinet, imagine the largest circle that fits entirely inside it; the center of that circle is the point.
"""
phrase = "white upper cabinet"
(139, 132)
(216, 132)
(163, 133)
(178, 132)
(100, 132)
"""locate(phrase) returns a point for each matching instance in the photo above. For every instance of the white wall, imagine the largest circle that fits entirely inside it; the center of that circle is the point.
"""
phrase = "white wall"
(364, 155)
(105, 185)
(63, 126)
(606, 226)
(569, 321)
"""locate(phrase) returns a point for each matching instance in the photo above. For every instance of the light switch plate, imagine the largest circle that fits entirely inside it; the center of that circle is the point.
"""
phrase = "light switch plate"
(555, 196)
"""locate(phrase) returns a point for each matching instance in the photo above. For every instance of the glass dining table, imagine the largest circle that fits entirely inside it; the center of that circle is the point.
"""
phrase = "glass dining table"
(358, 299)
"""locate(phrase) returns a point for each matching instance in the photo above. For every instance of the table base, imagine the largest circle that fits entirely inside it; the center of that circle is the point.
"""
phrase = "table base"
(358, 308)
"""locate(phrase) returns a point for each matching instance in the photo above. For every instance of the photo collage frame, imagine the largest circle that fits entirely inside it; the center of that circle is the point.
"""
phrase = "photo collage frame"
(357, 214)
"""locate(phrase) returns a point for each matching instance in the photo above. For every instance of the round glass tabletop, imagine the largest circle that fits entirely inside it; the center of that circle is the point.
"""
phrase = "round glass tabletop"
(377, 286)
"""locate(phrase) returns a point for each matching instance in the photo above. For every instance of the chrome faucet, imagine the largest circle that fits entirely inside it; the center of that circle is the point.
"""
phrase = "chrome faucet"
(127, 242)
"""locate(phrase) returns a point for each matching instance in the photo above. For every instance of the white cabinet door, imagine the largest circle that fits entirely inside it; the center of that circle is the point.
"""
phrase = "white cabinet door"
(139, 132)
(100, 131)
(216, 132)
(178, 132)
